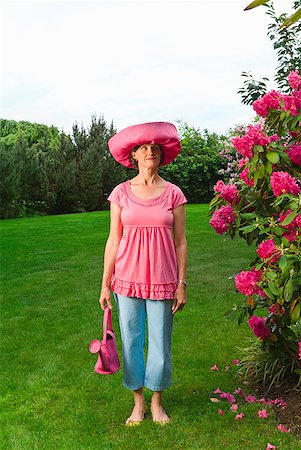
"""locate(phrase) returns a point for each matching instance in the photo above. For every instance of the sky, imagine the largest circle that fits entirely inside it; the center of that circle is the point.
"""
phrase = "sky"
(131, 61)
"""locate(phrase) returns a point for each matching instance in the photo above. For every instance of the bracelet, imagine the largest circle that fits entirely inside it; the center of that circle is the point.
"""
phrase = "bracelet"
(182, 282)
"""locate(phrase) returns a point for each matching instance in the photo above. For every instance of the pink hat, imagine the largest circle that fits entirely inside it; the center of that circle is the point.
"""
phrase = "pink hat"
(163, 133)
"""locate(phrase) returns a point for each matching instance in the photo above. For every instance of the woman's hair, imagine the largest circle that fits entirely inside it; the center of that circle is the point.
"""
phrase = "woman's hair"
(134, 161)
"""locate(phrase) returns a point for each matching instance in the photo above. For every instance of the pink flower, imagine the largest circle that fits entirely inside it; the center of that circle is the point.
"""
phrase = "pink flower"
(299, 349)
(294, 154)
(276, 309)
(246, 281)
(254, 136)
(296, 223)
(228, 192)
(268, 248)
(262, 414)
(262, 400)
(259, 328)
(239, 392)
(239, 416)
(266, 102)
(294, 80)
(229, 397)
(221, 412)
(234, 407)
(214, 367)
(235, 362)
(282, 428)
(244, 176)
(271, 447)
(222, 218)
(250, 399)
(283, 183)
(217, 391)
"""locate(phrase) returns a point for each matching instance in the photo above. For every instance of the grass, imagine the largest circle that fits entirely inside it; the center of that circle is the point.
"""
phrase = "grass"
(51, 397)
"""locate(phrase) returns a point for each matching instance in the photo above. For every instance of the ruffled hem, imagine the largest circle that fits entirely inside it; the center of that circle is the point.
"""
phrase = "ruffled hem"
(153, 291)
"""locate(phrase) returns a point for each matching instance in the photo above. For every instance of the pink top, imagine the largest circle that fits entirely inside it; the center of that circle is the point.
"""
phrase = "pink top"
(146, 264)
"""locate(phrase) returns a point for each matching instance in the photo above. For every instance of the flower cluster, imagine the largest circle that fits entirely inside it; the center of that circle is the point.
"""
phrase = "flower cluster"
(222, 218)
(254, 136)
(228, 192)
(294, 80)
(283, 183)
(268, 249)
(294, 154)
(277, 101)
(259, 327)
(271, 100)
(246, 281)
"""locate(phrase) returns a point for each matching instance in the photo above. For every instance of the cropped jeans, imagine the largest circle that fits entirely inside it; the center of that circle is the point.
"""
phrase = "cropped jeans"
(155, 374)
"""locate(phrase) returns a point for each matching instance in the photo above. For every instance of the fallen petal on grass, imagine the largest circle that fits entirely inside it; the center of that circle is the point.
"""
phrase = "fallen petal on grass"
(217, 391)
(271, 447)
(221, 412)
(282, 428)
(214, 367)
(234, 407)
(262, 414)
(214, 400)
(235, 362)
(239, 416)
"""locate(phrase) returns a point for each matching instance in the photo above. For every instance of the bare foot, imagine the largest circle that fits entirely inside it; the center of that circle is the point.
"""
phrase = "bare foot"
(159, 414)
(137, 416)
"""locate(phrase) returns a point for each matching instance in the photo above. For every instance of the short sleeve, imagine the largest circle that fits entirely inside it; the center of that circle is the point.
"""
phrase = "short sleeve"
(178, 197)
(115, 196)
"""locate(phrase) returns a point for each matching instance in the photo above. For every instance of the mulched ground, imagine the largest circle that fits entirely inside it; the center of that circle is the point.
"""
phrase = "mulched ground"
(290, 416)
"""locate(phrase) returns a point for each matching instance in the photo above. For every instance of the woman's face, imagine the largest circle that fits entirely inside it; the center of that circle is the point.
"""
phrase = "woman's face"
(148, 155)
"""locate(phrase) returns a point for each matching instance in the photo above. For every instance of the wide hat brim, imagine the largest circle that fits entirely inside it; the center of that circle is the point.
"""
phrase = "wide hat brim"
(163, 133)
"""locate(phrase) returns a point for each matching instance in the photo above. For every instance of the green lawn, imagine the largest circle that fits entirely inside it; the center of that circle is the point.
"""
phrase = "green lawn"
(51, 397)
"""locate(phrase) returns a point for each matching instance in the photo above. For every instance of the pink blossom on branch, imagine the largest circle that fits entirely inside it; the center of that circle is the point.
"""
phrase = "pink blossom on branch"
(266, 102)
(268, 248)
(294, 80)
(246, 281)
(294, 154)
(254, 136)
(276, 309)
(228, 192)
(222, 218)
(283, 183)
(259, 328)
(244, 176)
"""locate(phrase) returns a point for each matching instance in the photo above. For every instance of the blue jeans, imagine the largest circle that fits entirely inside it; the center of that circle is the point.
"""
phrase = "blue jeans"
(132, 314)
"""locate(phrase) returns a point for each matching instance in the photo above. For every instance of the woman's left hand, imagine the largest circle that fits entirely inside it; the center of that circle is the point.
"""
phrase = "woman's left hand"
(179, 300)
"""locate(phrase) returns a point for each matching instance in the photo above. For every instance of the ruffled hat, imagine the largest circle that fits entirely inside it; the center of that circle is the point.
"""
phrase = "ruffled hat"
(163, 133)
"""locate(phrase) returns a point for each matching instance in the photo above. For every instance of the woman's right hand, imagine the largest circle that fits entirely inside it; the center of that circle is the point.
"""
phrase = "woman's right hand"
(105, 298)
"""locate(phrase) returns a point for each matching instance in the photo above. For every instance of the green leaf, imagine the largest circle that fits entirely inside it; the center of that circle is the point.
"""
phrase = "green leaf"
(288, 290)
(248, 228)
(255, 3)
(278, 231)
(268, 167)
(258, 149)
(273, 157)
(289, 218)
(268, 293)
(271, 275)
(292, 19)
(248, 215)
(259, 265)
(295, 314)
(282, 262)
(273, 288)
(261, 171)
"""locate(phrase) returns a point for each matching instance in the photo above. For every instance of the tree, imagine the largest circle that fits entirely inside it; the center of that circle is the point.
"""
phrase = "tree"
(287, 43)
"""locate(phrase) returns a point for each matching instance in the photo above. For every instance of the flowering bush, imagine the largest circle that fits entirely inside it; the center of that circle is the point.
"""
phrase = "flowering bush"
(262, 205)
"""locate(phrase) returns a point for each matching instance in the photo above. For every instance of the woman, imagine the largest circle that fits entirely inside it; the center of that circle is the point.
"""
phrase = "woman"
(145, 260)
